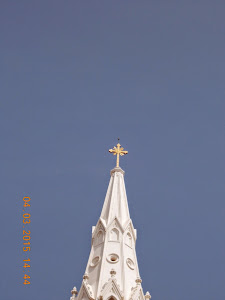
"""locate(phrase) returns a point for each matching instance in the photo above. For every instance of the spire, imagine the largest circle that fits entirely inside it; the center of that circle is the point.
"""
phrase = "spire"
(112, 269)
(115, 205)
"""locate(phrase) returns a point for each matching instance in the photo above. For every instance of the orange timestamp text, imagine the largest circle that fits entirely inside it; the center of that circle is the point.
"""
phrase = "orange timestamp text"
(26, 238)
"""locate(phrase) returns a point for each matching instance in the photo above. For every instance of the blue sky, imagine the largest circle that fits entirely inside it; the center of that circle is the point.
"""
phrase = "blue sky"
(75, 75)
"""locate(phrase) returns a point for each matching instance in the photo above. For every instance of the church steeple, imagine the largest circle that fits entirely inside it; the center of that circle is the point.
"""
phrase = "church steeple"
(112, 270)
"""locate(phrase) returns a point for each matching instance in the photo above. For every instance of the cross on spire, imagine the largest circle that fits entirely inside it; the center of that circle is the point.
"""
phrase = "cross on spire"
(118, 151)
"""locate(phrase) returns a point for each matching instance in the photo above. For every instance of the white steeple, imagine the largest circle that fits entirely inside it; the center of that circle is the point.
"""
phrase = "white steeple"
(112, 269)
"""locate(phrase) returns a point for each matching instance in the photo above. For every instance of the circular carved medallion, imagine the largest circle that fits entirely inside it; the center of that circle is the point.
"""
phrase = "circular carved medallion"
(95, 261)
(130, 263)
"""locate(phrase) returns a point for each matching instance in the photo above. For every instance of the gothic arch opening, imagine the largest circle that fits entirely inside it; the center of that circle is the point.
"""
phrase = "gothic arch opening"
(128, 239)
(114, 235)
(99, 238)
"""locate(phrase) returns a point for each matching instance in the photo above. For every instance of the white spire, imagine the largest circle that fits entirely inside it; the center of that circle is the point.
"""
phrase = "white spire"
(112, 269)
(115, 204)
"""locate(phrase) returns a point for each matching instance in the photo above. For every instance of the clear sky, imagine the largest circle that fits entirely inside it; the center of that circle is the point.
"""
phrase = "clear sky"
(75, 75)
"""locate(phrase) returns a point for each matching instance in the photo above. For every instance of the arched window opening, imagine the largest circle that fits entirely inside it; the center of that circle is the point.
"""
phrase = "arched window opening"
(114, 235)
(99, 238)
(128, 240)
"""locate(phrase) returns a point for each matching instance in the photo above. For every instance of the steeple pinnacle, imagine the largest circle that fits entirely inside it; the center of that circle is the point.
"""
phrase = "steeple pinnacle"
(112, 270)
(115, 204)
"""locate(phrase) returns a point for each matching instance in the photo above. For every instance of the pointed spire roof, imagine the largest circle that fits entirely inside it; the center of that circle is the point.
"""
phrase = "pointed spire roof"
(112, 268)
(115, 204)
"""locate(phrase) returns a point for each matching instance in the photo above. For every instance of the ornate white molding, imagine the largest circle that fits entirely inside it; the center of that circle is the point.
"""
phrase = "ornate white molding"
(111, 288)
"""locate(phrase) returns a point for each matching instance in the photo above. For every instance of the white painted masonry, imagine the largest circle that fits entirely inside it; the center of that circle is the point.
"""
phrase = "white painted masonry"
(112, 270)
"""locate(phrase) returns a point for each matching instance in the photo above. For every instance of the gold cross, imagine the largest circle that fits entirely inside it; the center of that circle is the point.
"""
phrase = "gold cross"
(118, 151)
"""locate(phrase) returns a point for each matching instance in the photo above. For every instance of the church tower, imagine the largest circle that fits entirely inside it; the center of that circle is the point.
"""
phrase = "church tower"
(112, 270)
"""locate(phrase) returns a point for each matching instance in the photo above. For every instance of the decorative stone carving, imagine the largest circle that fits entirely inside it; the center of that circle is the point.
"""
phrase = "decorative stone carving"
(111, 289)
(114, 235)
(113, 273)
(99, 238)
(128, 240)
(100, 226)
(138, 280)
(137, 292)
(74, 293)
(130, 263)
(115, 224)
(95, 261)
(85, 277)
(148, 296)
(86, 292)
(112, 258)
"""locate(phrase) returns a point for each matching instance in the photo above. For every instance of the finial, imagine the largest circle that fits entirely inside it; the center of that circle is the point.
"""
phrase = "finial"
(85, 277)
(113, 273)
(148, 296)
(74, 291)
(118, 150)
(138, 280)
